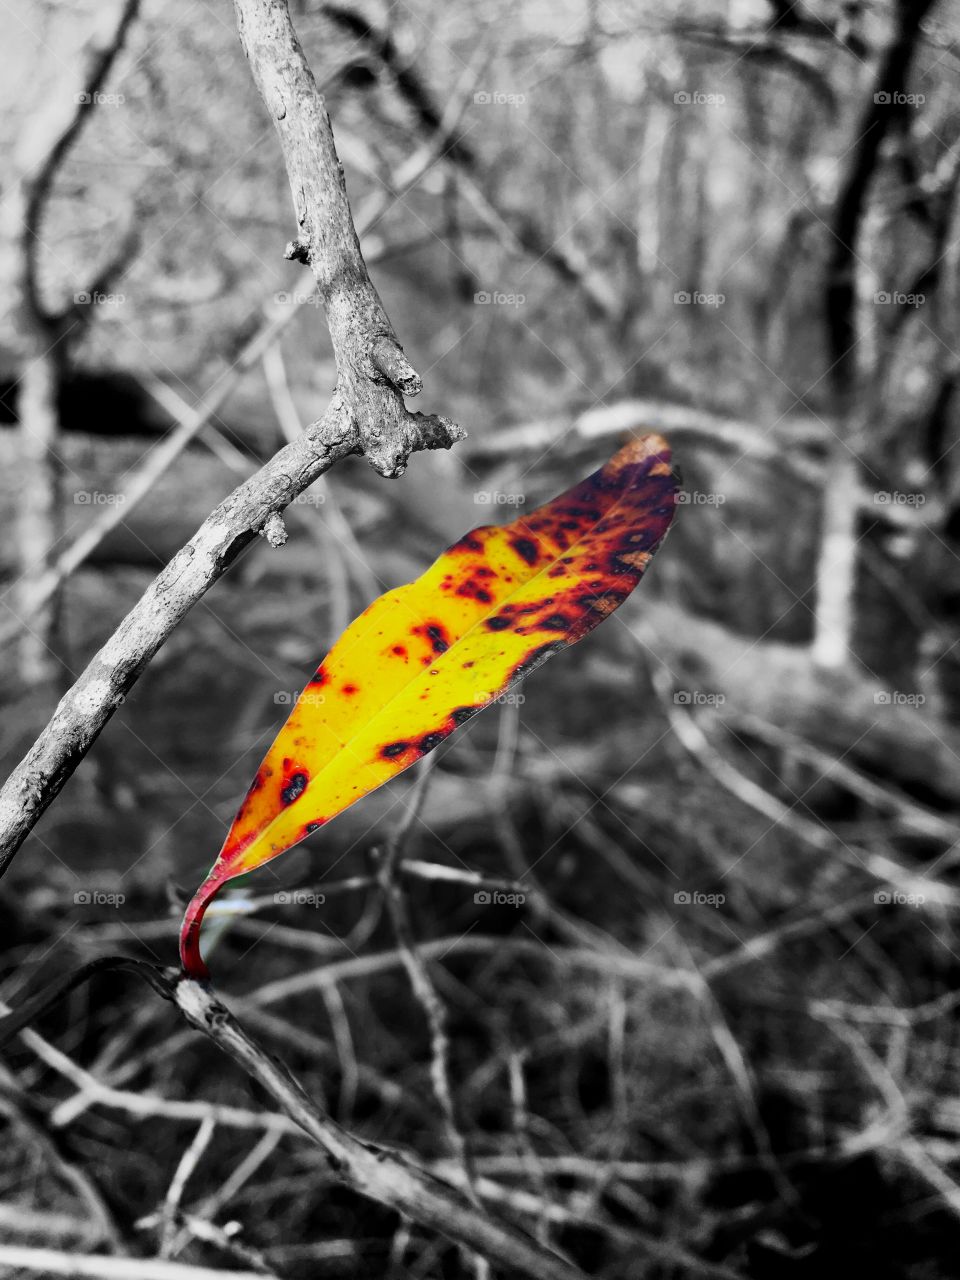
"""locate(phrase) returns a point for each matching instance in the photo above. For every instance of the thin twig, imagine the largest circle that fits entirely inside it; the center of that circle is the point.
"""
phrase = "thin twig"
(178, 1183)
(386, 861)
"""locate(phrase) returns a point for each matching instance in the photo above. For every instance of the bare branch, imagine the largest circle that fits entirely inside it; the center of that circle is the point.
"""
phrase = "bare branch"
(53, 1262)
(372, 1171)
(366, 416)
(373, 373)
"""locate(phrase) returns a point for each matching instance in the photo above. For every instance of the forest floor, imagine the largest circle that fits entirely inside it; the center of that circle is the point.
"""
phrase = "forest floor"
(699, 1047)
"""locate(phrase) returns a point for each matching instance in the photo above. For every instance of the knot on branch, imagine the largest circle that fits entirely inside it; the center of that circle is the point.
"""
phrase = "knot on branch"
(274, 529)
(387, 441)
(297, 251)
(390, 364)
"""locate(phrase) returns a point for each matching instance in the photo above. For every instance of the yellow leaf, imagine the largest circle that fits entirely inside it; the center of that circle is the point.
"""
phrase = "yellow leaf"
(424, 658)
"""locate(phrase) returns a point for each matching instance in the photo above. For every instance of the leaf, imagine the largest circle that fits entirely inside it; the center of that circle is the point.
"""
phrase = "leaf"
(426, 657)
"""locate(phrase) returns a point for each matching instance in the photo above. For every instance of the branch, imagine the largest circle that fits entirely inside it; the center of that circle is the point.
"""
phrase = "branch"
(366, 416)
(88, 705)
(372, 1171)
(248, 353)
(376, 1172)
(42, 147)
(884, 112)
(53, 1262)
(374, 374)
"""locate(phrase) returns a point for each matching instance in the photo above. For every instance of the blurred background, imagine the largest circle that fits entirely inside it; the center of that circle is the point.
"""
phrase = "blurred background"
(719, 1035)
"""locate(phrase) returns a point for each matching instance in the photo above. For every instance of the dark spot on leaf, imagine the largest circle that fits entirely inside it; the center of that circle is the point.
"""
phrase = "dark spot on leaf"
(294, 788)
(430, 741)
(461, 715)
(437, 637)
(499, 623)
(526, 549)
(394, 749)
(349, 689)
(555, 622)
(311, 827)
(399, 650)
(474, 591)
(469, 542)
